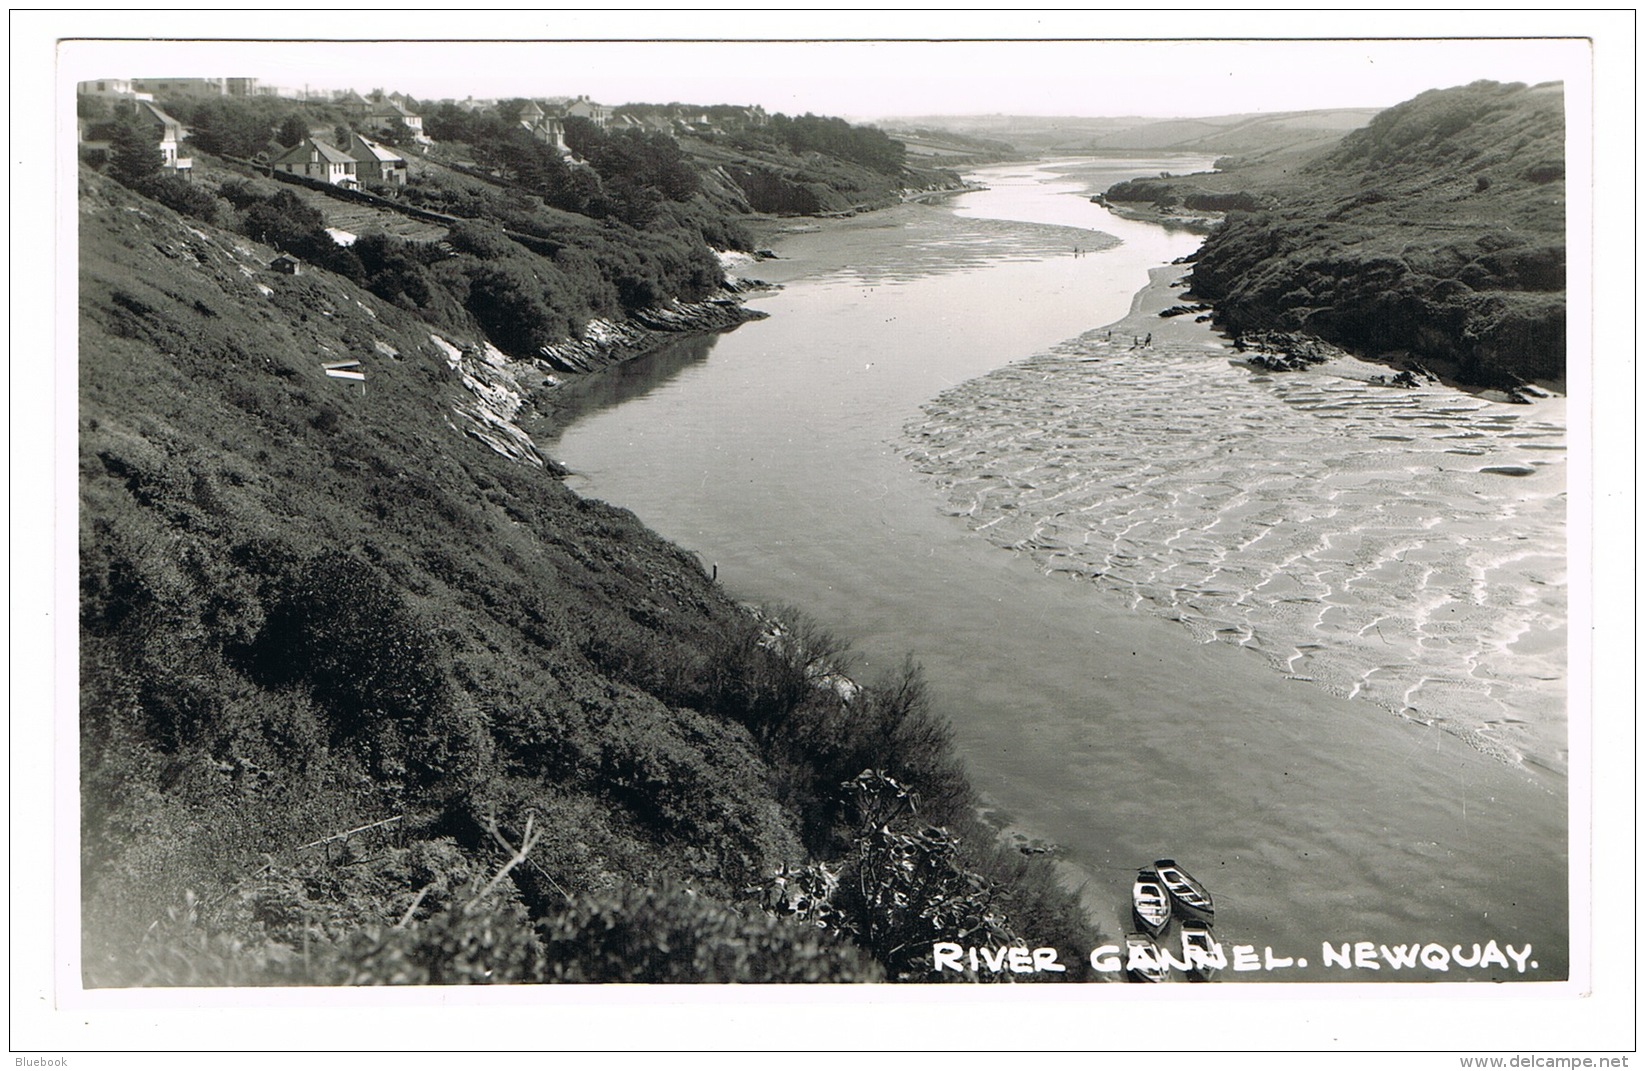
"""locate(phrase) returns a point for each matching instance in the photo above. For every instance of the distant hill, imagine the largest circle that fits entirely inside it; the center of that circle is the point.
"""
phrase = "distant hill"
(1437, 231)
(1242, 134)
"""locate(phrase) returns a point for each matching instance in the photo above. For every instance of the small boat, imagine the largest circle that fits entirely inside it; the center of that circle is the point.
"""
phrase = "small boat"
(1189, 896)
(1200, 951)
(1150, 902)
(1143, 962)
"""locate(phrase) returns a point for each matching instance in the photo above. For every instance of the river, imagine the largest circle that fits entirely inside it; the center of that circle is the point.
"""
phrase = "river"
(928, 449)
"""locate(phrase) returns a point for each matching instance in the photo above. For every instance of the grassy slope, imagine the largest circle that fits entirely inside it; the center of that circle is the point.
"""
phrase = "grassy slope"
(1436, 231)
(306, 608)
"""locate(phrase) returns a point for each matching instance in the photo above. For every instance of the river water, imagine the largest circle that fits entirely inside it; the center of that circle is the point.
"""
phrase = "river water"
(929, 450)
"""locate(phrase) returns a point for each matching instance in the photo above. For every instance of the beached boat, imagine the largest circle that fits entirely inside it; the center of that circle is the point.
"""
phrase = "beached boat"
(1143, 962)
(1149, 902)
(1200, 951)
(1188, 896)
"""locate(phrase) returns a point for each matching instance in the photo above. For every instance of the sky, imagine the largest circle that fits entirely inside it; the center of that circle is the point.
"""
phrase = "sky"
(863, 80)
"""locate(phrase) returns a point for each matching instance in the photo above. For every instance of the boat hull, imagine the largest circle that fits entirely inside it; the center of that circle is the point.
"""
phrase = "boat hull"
(1188, 897)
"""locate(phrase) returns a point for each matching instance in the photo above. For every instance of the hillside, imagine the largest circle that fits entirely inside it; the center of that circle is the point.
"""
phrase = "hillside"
(368, 696)
(1247, 134)
(1436, 232)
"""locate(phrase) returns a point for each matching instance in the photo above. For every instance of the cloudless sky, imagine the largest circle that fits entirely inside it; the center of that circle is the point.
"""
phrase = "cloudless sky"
(865, 79)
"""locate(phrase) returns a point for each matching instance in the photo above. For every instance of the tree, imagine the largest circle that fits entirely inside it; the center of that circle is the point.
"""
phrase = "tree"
(292, 131)
(230, 127)
(134, 153)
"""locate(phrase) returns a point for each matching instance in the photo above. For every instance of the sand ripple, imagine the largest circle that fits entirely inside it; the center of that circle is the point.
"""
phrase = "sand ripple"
(1405, 547)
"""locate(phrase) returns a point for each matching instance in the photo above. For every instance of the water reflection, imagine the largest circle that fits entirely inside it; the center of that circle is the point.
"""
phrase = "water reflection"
(583, 396)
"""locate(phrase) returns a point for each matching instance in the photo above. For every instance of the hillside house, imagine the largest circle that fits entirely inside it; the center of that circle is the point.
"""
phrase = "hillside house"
(583, 108)
(96, 139)
(550, 130)
(169, 133)
(390, 115)
(376, 163)
(353, 105)
(318, 159)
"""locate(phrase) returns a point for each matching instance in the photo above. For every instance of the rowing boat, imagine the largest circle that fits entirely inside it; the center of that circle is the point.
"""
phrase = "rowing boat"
(1150, 902)
(1187, 895)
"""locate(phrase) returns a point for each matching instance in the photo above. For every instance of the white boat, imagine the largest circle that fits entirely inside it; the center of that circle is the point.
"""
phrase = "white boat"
(1143, 962)
(1200, 951)
(1150, 902)
(1187, 895)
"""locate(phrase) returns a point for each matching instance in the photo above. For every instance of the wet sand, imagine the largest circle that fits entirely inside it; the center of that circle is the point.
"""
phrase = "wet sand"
(1402, 546)
(1312, 816)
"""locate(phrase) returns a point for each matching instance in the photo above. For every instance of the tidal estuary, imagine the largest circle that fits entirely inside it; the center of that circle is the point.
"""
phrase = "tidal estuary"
(1302, 633)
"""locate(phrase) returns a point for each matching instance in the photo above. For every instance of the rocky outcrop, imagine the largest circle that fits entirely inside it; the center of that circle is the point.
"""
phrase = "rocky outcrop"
(490, 415)
(608, 342)
(1435, 233)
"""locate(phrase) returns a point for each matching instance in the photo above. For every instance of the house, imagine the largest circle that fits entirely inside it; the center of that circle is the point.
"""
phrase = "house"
(390, 114)
(374, 162)
(550, 130)
(182, 87)
(317, 159)
(583, 108)
(353, 105)
(286, 264)
(97, 138)
(111, 87)
(169, 133)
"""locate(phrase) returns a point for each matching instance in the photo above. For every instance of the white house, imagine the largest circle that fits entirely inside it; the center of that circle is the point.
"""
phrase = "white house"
(317, 159)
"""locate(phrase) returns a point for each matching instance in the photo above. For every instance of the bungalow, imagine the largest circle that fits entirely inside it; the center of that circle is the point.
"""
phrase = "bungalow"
(353, 105)
(376, 163)
(317, 159)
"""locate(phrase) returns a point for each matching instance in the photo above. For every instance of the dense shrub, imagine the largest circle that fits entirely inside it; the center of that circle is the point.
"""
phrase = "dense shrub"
(377, 671)
(670, 934)
(181, 195)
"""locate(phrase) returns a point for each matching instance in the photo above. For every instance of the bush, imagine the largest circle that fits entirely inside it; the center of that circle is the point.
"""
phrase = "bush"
(181, 195)
(671, 935)
(369, 663)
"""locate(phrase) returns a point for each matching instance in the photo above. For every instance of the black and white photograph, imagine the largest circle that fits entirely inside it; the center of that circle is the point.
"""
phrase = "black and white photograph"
(827, 512)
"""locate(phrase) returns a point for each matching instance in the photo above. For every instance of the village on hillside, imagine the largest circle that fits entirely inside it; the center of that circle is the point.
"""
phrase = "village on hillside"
(367, 148)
